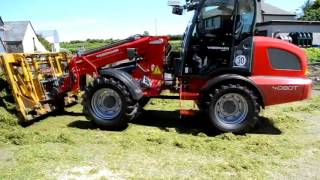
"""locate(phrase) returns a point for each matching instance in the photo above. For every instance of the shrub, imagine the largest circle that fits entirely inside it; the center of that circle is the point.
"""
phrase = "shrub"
(313, 54)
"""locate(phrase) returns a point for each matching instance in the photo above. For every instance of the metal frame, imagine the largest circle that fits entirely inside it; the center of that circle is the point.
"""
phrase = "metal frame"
(26, 76)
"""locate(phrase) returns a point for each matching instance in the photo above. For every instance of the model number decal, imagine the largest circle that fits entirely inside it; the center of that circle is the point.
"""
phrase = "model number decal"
(108, 53)
(219, 48)
(285, 88)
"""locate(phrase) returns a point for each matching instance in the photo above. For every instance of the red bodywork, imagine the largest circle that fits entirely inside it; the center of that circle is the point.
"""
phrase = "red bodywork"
(279, 86)
(276, 86)
(151, 49)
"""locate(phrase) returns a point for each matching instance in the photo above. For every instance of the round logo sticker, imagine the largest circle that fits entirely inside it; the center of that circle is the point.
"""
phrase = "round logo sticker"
(240, 60)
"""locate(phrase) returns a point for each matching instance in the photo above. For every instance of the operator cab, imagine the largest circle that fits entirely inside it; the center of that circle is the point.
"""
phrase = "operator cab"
(219, 36)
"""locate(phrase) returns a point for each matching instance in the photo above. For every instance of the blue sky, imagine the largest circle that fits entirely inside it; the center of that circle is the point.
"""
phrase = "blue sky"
(82, 19)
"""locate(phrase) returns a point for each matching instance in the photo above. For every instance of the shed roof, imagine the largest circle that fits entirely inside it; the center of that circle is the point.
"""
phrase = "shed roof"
(273, 10)
(15, 30)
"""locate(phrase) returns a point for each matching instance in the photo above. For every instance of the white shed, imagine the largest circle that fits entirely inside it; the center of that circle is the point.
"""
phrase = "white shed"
(52, 37)
(19, 36)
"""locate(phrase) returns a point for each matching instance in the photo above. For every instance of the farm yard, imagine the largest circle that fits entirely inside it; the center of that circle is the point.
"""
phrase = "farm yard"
(285, 144)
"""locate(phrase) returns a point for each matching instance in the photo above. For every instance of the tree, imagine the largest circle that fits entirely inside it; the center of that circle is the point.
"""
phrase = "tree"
(306, 6)
(176, 37)
(146, 33)
(44, 42)
(311, 11)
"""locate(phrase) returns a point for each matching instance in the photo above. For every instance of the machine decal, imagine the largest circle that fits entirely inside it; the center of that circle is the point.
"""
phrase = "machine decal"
(156, 71)
(240, 61)
(285, 88)
(146, 82)
(118, 63)
(218, 48)
(108, 53)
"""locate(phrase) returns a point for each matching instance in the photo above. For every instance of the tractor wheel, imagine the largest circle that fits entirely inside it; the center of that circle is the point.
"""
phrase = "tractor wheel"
(108, 104)
(233, 108)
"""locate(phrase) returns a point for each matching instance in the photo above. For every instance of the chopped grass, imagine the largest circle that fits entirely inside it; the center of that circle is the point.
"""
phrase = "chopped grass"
(306, 106)
(160, 145)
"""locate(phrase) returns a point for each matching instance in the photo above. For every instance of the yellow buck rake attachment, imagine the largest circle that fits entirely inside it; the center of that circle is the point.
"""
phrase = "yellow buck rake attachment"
(34, 81)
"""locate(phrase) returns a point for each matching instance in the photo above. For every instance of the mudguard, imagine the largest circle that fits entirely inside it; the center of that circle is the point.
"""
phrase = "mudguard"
(235, 78)
(132, 85)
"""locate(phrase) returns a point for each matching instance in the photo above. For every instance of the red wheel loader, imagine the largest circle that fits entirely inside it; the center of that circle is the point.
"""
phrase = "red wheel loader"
(227, 71)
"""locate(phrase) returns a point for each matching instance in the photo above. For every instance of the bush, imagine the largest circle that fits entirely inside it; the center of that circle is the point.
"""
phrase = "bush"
(176, 45)
(313, 54)
(176, 37)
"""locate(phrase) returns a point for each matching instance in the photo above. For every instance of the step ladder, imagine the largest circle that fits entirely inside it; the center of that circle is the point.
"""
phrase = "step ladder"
(187, 98)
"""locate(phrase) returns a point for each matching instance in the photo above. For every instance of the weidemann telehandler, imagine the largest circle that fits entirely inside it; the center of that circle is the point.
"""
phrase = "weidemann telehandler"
(227, 71)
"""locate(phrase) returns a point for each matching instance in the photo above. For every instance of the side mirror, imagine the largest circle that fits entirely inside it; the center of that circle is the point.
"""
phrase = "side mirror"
(174, 3)
(178, 10)
(176, 7)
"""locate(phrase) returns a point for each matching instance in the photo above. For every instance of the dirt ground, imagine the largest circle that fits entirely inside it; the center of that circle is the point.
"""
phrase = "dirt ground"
(160, 145)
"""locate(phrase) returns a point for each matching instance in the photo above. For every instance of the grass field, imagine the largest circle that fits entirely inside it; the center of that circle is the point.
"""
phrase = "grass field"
(286, 144)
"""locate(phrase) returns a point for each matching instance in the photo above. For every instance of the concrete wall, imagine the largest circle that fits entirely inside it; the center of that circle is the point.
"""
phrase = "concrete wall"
(267, 18)
(30, 39)
(1, 33)
(316, 39)
(56, 47)
(14, 47)
(2, 49)
(259, 18)
(54, 42)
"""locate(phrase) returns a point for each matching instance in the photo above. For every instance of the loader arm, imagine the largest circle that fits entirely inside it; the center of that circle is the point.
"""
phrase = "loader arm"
(138, 56)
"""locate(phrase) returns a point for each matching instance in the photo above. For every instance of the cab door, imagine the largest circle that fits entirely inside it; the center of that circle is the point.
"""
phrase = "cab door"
(243, 33)
(221, 31)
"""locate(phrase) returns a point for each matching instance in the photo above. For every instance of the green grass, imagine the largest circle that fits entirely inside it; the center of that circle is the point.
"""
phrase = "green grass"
(73, 46)
(307, 107)
(160, 145)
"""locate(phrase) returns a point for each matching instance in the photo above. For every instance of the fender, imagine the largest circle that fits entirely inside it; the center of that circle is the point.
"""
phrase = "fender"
(232, 77)
(133, 87)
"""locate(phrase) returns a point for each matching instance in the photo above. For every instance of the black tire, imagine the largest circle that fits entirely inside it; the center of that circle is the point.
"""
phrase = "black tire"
(128, 108)
(248, 109)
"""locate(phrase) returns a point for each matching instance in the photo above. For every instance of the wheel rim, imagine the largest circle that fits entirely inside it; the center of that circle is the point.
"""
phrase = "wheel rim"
(106, 103)
(231, 109)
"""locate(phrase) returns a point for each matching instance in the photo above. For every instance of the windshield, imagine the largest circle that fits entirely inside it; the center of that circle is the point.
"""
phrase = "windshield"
(245, 18)
(217, 8)
(214, 14)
